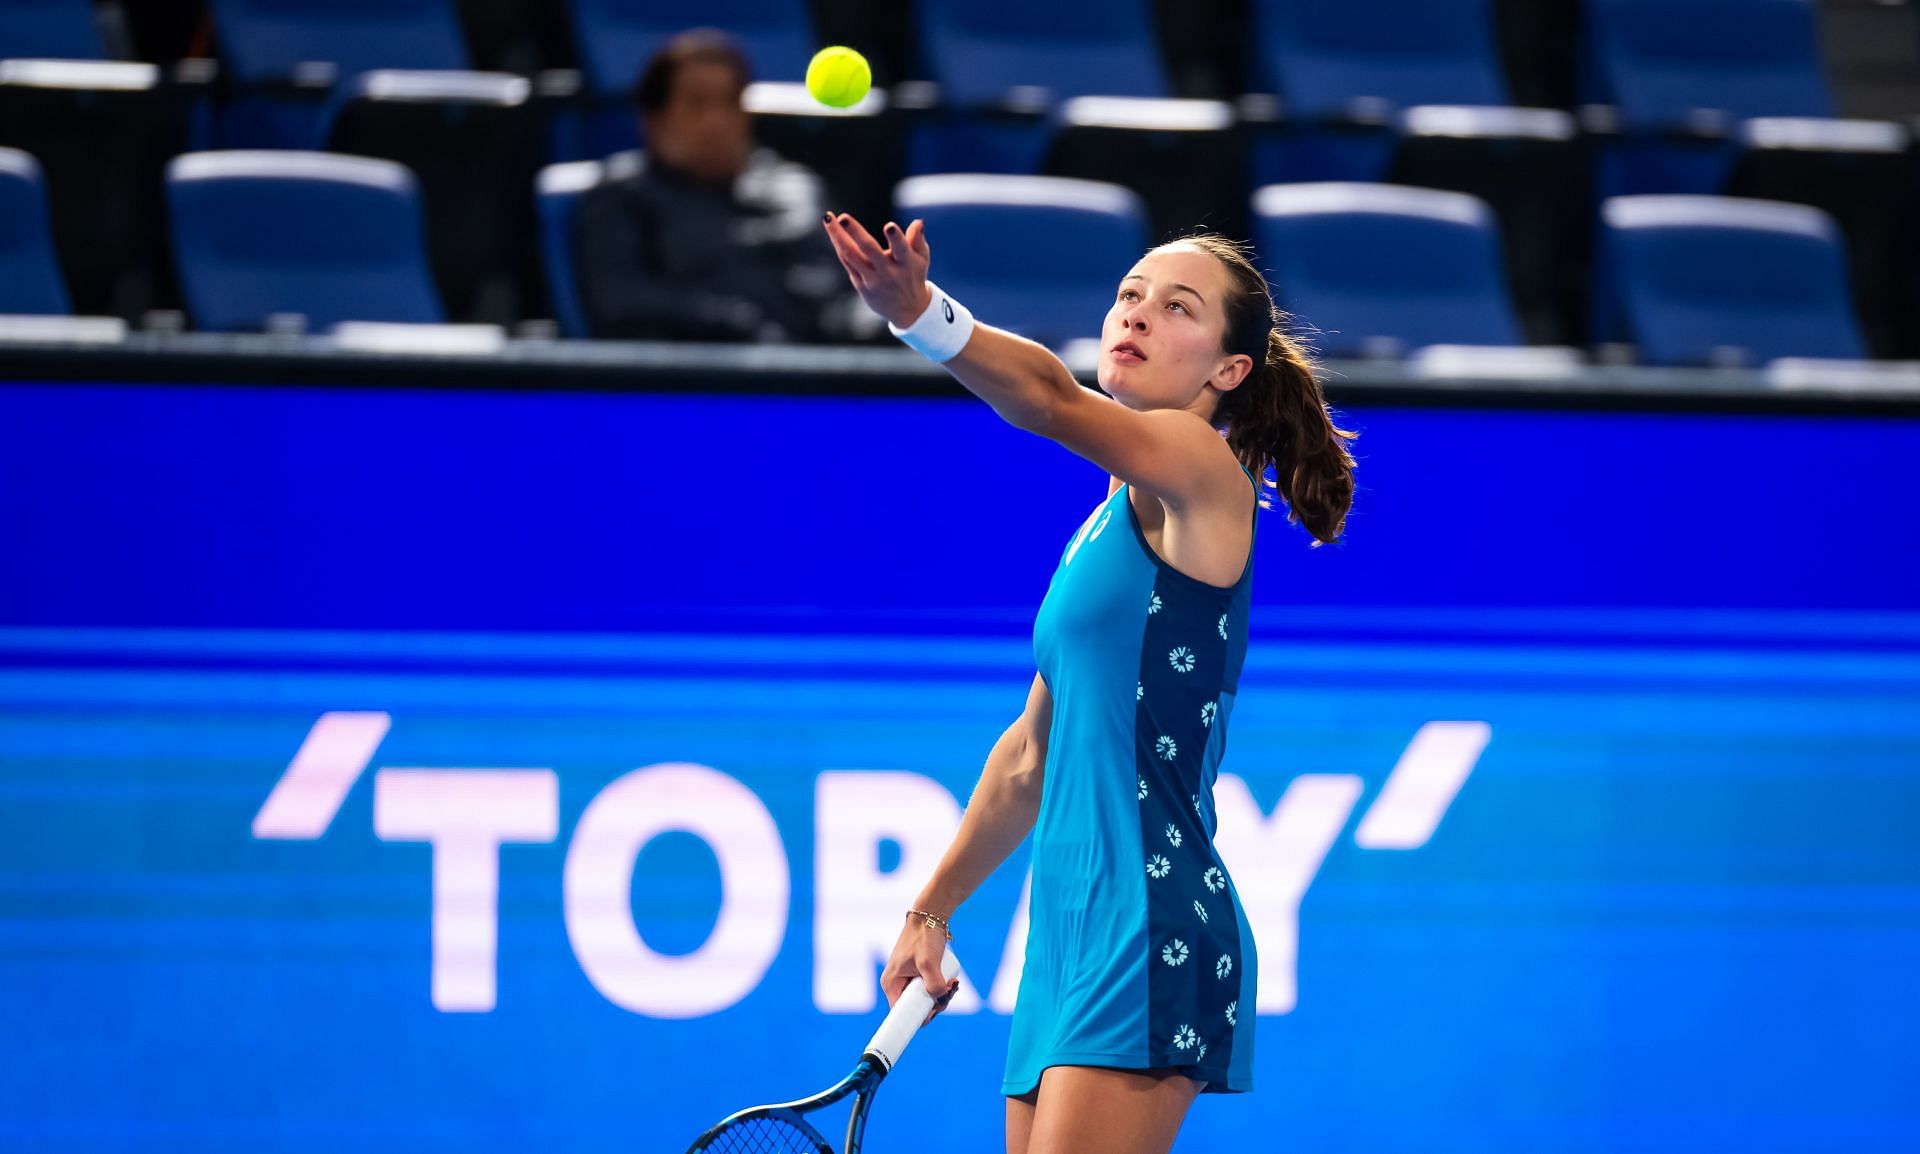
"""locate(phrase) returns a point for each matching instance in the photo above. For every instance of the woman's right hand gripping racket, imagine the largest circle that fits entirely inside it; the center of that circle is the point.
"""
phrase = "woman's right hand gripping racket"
(783, 1129)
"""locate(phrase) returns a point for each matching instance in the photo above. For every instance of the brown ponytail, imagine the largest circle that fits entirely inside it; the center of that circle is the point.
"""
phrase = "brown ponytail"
(1278, 417)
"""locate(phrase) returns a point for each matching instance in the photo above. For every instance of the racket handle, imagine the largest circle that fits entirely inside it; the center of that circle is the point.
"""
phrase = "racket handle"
(903, 1021)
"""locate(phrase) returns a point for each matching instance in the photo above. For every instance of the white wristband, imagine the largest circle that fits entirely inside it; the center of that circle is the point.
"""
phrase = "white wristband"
(941, 331)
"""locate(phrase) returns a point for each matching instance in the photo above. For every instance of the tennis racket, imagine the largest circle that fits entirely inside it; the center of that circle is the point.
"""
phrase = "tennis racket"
(783, 1128)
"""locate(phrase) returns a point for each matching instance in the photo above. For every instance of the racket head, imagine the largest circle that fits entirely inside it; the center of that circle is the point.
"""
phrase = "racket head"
(762, 1130)
(781, 1129)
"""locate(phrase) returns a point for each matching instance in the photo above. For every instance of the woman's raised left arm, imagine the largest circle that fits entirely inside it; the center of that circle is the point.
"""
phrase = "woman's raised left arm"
(1174, 455)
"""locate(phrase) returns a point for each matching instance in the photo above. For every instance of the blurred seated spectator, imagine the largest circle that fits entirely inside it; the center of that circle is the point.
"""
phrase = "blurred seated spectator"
(706, 236)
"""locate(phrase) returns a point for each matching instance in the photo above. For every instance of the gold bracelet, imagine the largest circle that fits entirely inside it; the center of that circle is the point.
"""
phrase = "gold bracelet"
(933, 922)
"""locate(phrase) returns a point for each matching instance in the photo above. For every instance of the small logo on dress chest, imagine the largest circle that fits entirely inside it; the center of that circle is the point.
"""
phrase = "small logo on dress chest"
(1090, 530)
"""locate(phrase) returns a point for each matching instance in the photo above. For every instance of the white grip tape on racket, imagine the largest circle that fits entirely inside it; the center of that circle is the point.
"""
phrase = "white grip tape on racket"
(909, 1011)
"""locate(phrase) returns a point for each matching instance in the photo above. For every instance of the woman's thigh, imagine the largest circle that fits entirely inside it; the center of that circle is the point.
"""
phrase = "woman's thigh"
(1020, 1121)
(1092, 1110)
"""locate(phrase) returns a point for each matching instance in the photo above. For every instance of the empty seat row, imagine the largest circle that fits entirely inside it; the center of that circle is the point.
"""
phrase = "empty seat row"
(1664, 65)
(1374, 269)
(1384, 270)
(1650, 57)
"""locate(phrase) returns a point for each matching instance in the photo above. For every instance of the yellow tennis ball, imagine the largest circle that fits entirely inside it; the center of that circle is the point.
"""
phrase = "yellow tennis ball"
(838, 77)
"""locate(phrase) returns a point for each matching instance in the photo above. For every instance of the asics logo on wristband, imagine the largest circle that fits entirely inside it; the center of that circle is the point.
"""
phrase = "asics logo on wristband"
(940, 331)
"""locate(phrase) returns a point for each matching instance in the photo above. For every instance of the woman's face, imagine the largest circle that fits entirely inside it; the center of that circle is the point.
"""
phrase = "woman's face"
(1160, 347)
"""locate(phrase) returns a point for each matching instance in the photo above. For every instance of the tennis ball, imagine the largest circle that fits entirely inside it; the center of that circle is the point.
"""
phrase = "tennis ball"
(838, 77)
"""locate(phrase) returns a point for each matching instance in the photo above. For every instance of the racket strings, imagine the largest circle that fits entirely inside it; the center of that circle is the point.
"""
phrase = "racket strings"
(765, 1136)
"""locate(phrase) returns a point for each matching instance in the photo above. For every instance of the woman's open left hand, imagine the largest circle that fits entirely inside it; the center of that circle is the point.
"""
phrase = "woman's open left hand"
(892, 280)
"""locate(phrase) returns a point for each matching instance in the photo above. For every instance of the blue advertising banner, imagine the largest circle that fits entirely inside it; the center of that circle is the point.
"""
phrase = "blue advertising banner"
(510, 771)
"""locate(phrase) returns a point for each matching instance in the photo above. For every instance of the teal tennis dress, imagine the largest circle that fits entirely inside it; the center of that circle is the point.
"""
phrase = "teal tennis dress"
(1139, 954)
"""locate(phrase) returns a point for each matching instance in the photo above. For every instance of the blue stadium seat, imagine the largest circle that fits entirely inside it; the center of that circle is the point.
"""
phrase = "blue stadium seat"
(1709, 279)
(1729, 97)
(328, 48)
(1412, 92)
(30, 280)
(1023, 60)
(48, 29)
(1038, 255)
(333, 238)
(616, 37)
(398, 87)
(978, 50)
(1381, 269)
(267, 39)
(1337, 59)
(1659, 61)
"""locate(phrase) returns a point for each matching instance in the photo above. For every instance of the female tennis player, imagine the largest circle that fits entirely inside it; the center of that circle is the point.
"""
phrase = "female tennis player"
(1138, 990)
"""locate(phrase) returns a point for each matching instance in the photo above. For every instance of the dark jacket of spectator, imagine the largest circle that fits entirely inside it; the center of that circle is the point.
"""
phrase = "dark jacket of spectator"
(664, 256)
